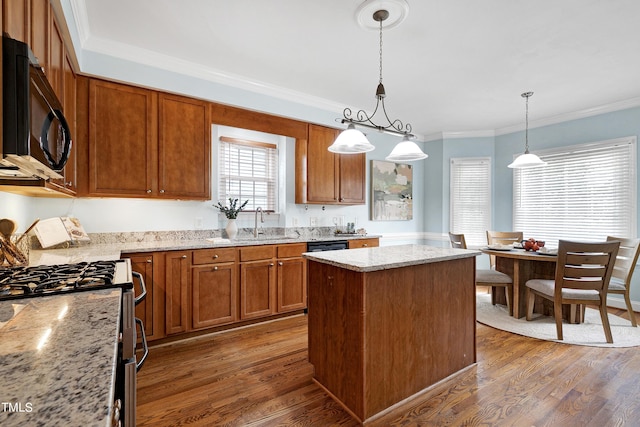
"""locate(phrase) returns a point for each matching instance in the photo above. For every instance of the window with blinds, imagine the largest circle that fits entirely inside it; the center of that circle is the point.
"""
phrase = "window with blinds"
(470, 199)
(248, 170)
(586, 192)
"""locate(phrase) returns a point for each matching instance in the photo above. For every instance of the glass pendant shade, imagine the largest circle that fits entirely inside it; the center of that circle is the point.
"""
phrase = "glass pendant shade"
(351, 141)
(406, 151)
(527, 160)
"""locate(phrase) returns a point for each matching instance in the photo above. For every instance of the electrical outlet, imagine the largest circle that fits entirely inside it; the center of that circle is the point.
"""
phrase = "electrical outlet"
(313, 221)
(198, 223)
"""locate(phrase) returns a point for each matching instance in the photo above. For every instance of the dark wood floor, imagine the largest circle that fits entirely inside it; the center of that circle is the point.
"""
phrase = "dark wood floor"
(260, 376)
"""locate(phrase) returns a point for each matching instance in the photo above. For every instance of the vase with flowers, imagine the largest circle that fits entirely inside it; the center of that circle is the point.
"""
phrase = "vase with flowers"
(231, 212)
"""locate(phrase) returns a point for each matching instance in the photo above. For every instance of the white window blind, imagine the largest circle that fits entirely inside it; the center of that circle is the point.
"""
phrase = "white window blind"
(470, 199)
(248, 170)
(586, 192)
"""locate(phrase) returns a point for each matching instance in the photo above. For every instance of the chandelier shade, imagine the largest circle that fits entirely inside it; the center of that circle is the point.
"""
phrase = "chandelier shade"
(351, 141)
(406, 151)
(527, 160)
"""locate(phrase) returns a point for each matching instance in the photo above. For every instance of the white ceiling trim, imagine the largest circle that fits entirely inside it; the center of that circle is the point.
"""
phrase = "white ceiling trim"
(81, 19)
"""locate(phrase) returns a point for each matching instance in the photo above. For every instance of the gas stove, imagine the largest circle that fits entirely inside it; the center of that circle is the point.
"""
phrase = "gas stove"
(44, 280)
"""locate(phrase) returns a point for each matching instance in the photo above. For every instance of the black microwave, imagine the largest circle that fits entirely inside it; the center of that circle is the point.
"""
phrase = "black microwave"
(36, 141)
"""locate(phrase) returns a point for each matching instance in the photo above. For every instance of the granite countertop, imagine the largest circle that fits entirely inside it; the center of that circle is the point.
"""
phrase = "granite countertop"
(109, 251)
(386, 257)
(58, 359)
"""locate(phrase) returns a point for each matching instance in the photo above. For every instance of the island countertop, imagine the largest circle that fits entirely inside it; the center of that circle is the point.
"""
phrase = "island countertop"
(386, 257)
(58, 358)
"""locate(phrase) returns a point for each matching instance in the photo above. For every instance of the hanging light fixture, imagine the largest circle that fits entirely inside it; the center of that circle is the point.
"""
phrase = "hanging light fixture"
(527, 160)
(351, 140)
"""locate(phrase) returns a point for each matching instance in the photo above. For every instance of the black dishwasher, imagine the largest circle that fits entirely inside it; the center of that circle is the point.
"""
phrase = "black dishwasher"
(327, 245)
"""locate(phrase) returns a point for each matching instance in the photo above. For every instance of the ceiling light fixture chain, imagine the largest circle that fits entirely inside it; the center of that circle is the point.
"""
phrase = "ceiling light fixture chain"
(362, 118)
(526, 95)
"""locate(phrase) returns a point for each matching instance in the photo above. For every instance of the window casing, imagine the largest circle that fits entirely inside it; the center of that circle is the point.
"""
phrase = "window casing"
(586, 192)
(248, 170)
(470, 199)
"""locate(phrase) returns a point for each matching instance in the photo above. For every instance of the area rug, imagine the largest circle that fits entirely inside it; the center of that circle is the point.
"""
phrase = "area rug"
(589, 333)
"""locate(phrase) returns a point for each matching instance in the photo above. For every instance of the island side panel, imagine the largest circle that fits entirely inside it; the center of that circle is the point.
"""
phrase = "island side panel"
(419, 328)
(336, 332)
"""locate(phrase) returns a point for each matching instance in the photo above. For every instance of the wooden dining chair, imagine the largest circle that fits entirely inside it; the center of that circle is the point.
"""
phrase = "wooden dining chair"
(623, 270)
(583, 272)
(489, 278)
(502, 238)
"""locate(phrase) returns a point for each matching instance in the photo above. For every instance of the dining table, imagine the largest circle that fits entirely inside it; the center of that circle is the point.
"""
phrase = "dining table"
(522, 265)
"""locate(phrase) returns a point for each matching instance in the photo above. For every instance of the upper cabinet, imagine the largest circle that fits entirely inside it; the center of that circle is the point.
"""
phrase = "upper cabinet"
(145, 144)
(323, 177)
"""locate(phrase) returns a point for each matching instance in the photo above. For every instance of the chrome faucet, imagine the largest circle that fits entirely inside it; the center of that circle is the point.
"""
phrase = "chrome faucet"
(255, 228)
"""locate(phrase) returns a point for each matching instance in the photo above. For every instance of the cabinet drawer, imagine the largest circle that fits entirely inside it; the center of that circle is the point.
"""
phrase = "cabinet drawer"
(209, 256)
(364, 243)
(291, 250)
(254, 253)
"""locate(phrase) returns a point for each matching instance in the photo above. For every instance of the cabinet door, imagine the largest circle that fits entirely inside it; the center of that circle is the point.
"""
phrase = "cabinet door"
(214, 294)
(70, 80)
(122, 140)
(257, 289)
(322, 166)
(39, 42)
(143, 264)
(15, 19)
(292, 284)
(353, 178)
(56, 59)
(184, 148)
(176, 292)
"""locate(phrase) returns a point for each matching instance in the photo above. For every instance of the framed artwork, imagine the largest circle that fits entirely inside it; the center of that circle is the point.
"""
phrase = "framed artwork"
(391, 191)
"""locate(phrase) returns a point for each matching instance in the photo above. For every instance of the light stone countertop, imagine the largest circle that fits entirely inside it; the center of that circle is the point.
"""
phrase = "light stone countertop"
(387, 257)
(105, 252)
(66, 377)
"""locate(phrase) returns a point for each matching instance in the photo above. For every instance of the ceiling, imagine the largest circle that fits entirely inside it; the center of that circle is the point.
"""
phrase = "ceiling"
(452, 66)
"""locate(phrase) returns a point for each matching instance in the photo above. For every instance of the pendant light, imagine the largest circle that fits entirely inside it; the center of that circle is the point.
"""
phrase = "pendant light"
(527, 160)
(351, 140)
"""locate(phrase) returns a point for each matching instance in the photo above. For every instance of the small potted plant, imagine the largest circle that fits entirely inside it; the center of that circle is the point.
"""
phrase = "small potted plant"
(231, 212)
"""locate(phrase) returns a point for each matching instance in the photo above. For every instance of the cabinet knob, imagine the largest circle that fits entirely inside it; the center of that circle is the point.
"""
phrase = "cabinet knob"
(148, 191)
(161, 191)
(271, 265)
(364, 245)
(183, 257)
(215, 268)
(215, 257)
(280, 263)
(149, 260)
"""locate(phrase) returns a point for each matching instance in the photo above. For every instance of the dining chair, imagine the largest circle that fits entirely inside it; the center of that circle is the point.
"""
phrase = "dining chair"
(623, 270)
(502, 238)
(583, 272)
(489, 278)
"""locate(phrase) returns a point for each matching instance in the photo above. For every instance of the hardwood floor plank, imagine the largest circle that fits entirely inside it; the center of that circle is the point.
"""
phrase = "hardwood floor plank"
(260, 376)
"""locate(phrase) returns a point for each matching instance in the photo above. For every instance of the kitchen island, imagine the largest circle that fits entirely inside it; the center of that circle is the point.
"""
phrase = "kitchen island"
(387, 323)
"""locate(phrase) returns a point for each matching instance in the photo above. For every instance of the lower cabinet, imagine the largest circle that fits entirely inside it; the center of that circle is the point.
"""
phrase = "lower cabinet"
(214, 287)
(364, 243)
(257, 281)
(291, 273)
(177, 264)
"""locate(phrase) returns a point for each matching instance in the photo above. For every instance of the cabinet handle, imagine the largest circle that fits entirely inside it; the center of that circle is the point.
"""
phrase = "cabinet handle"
(280, 263)
(148, 191)
(149, 260)
(215, 268)
(364, 245)
(271, 265)
(183, 257)
(215, 257)
(161, 191)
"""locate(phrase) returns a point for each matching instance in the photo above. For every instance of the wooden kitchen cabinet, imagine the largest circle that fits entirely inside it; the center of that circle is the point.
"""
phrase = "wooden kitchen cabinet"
(122, 140)
(291, 277)
(145, 310)
(184, 148)
(364, 243)
(323, 177)
(177, 264)
(257, 281)
(15, 19)
(214, 287)
(147, 144)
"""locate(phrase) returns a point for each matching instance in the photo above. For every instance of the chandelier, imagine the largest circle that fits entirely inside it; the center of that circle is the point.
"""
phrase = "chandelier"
(527, 160)
(352, 140)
